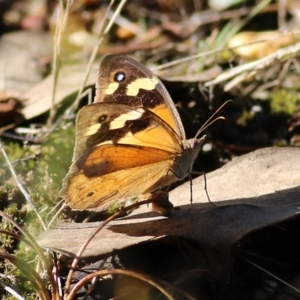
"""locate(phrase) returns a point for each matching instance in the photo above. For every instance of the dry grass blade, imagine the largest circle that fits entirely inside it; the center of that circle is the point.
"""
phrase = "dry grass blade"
(276, 277)
(30, 239)
(32, 242)
(173, 287)
(102, 34)
(223, 39)
(63, 14)
(103, 224)
(280, 55)
(11, 291)
(144, 278)
(29, 273)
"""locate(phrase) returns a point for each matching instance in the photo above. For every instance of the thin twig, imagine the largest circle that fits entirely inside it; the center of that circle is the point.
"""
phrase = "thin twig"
(272, 275)
(92, 235)
(11, 291)
(280, 54)
(63, 14)
(139, 276)
(102, 34)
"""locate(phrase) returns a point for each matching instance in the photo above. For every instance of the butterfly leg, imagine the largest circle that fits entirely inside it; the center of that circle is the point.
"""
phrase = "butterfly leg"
(205, 186)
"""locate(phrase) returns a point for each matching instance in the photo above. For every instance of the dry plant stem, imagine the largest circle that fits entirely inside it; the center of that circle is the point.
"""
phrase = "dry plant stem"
(281, 55)
(192, 274)
(203, 54)
(11, 291)
(102, 34)
(36, 140)
(144, 278)
(104, 223)
(252, 14)
(37, 249)
(91, 288)
(7, 127)
(91, 60)
(123, 22)
(56, 214)
(20, 186)
(56, 278)
(269, 273)
(282, 13)
(122, 49)
(29, 273)
(63, 14)
(173, 287)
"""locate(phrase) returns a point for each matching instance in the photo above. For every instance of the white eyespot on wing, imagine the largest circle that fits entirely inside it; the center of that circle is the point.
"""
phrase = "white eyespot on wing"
(147, 84)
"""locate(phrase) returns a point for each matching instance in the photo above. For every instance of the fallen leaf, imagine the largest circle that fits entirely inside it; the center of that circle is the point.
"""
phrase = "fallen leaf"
(38, 99)
(253, 191)
(18, 51)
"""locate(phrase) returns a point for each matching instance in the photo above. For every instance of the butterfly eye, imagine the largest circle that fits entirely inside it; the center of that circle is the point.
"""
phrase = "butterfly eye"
(119, 77)
(102, 118)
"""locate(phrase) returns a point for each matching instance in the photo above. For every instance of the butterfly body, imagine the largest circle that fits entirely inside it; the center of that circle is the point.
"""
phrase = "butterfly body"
(129, 142)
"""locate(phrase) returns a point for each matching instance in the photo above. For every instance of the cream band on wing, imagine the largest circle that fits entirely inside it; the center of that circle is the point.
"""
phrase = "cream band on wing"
(108, 142)
(120, 121)
(92, 129)
(111, 88)
(147, 84)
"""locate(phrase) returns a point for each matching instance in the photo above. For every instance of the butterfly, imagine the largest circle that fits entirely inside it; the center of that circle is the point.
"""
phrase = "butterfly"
(129, 142)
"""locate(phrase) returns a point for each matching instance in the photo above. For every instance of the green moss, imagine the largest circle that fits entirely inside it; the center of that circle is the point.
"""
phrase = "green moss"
(284, 101)
(40, 168)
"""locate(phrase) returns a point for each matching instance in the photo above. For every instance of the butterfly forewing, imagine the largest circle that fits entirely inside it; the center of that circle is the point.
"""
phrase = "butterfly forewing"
(102, 123)
(123, 80)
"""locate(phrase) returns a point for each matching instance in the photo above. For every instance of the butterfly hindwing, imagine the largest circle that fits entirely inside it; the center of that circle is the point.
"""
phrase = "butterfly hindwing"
(97, 193)
(114, 140)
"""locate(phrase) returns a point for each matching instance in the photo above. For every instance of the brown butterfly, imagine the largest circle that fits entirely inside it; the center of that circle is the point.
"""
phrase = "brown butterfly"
(129, 142)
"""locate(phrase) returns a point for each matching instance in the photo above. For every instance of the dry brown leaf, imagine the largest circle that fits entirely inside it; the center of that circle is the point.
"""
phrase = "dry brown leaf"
(38, 99)
(253, 191)
(18, 52)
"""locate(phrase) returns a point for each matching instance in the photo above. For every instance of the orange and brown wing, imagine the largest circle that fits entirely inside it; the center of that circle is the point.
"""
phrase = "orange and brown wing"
(103, 181)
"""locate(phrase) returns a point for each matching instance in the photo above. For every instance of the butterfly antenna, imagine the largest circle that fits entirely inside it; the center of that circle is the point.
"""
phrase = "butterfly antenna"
(210, 121)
